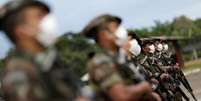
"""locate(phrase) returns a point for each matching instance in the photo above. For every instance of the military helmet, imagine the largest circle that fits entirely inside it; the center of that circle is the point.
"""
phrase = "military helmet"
(15, 6)
(91, 30)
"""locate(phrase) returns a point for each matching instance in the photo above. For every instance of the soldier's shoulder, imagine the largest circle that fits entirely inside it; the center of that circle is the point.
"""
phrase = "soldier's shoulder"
(18, 62)
(102, 71)
(100, 58)
(101, 63)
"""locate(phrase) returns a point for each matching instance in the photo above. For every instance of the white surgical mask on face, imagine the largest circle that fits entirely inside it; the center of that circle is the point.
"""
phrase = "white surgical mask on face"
(152, 48)
(122, 35)
(48, 31)
(159, 47)
(135, 48)
(165, 46)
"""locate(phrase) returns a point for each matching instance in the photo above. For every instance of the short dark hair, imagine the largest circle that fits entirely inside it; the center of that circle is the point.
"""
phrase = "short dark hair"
(13, 15)
(134, 36)
(10, 24)
(98, 24)
(145, 42)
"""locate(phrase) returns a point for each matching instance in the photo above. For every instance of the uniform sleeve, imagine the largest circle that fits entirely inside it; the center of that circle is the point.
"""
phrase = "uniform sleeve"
(102, 72)
(20, 83)
(16, 85)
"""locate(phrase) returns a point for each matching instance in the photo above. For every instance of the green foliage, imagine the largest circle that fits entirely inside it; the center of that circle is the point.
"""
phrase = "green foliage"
(74, 49)
(1, 63)
(180, 26)
(197, 23)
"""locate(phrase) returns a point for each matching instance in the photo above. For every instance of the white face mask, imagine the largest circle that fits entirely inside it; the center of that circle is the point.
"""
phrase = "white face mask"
(152, 48)
(165, 47)
(48, 31)
(122, 35)
(159, 47)
(135, 48)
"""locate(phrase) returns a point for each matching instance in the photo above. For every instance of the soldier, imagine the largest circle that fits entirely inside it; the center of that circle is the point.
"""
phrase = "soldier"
(104, 67)
(132, 62)
(33, 72)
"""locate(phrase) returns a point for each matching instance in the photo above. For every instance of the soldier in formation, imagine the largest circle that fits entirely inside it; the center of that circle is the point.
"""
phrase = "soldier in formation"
(124, 69)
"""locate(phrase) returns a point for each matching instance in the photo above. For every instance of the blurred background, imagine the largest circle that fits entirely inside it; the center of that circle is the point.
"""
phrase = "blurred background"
(178, 21)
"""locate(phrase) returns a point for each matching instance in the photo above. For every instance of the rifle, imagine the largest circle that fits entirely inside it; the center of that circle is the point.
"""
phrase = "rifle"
(172, 82)
(181, 77)
(161, 87)
(176, 72)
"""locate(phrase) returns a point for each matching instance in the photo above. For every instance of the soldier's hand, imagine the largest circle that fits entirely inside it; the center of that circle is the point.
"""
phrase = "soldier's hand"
(156, 97)
(164, 76)
(146, 86)
(82, 99)
(154, 81)
(176, 67)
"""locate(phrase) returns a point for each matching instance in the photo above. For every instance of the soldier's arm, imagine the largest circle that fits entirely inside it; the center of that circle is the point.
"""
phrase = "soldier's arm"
(15, 86)
(82, 99)
(103, 73)
(121, 92)
(19, 81)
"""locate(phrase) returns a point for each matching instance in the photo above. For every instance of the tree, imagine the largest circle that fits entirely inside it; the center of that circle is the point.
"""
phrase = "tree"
(183, 26)
(197, 22)
(180, 26)
(162, 29)
(1, 63)
(144, 32)
(74, 49)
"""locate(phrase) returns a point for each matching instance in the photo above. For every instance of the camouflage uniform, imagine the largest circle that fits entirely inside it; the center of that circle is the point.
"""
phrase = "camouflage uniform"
(39, 78)
(106, 70)
(103, 73)
(30, 77)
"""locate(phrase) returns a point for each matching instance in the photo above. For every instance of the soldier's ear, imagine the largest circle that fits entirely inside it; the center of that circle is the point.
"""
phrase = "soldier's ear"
(21, 32)
(16, 31)
(101, 36)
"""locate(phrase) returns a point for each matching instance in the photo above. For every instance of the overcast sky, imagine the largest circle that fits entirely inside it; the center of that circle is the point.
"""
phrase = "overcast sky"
(73, 15)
